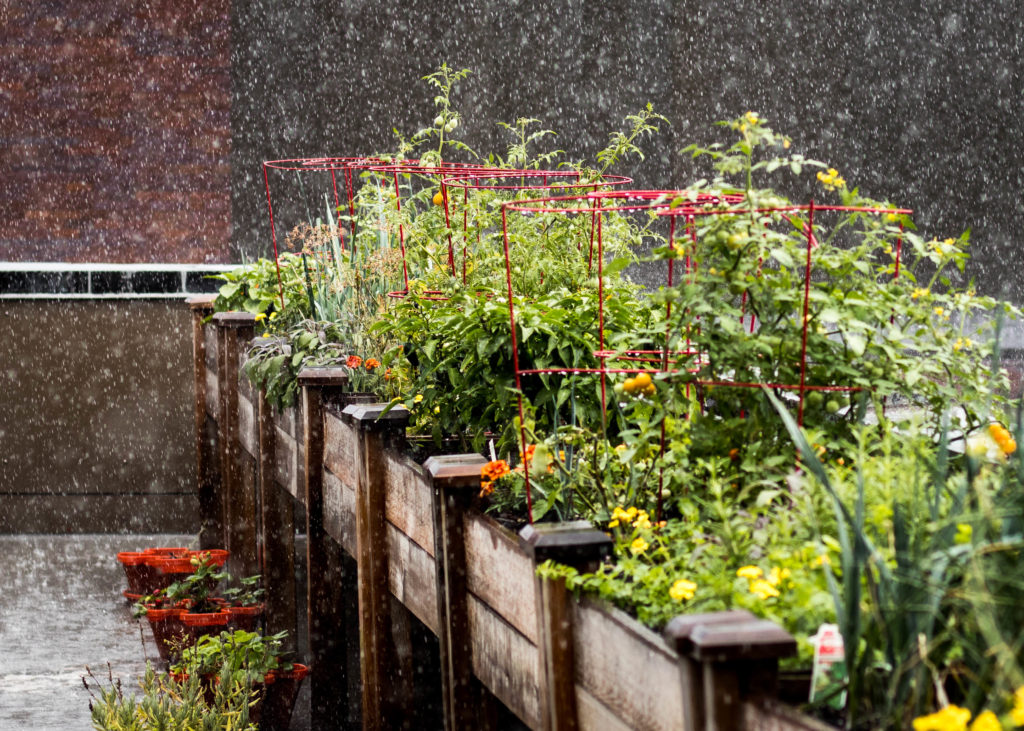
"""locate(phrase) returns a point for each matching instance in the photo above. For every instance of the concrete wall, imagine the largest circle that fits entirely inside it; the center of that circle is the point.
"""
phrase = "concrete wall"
(96, 419)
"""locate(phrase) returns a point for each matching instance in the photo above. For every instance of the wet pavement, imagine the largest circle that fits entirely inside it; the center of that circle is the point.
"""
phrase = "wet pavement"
(61, 610)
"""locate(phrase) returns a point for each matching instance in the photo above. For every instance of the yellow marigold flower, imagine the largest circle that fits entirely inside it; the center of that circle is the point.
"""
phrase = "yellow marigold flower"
(631, 512)
(822, 560)
(950, 718)
(265, 335)
(638, 546)
(785, 144)
(620, 514)
(750, 572)
(891, 217)
(682, 590)
(919, 292)
(1017, 714)
(752, 117)
(763, 590)
(260, 317)
(940, 311)
(776, 575)
(273, 315)
(613, 524)
(417, 398)
(986, 721)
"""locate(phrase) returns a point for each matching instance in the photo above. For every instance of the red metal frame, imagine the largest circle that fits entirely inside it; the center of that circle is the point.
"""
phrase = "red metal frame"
(691, 208)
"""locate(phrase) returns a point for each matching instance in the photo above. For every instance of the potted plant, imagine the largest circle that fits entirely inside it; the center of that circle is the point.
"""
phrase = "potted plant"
(165, 704)
(244, 603)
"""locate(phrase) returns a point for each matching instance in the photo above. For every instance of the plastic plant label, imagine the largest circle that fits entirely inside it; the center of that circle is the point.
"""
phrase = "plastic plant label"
(828, 676)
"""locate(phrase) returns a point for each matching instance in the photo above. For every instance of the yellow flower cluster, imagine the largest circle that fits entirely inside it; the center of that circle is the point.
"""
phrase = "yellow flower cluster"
(954, 718)
(962, 344)
(831, 179)
(919, 292)
(632, 516)
(761, 586)
(682, 590)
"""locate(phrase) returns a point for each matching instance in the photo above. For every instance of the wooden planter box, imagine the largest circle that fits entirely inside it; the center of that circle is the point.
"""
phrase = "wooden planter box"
(420, 549)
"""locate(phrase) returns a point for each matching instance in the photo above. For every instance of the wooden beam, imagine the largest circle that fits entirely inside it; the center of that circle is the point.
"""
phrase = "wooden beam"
(207, 463)
(455, 480)
(238, 494)
(582, 546)
(728, 659)
(383, 703)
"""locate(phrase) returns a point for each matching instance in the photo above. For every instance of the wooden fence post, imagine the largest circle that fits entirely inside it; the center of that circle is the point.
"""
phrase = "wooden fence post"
(580, 545)
(238, 495)
(384, 696)
(455, 480)
(277, 539)
(211, 525)
(727, 658)
(329, 637)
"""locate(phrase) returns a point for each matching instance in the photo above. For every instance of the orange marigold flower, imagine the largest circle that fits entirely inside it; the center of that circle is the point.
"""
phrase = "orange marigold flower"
(528, 454)
(387, 375)
(371, 363)
(486, 488)
(493, 470)
(354, 361)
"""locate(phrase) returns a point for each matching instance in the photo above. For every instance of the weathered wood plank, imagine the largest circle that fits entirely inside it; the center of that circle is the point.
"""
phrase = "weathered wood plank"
(593, 715)
(340, 512)
(210, 347)
(212, 394)
(248, 429)
(411, 576)
(286, 420)
(286, 466)
(341, 449)
(505, 661)
(501, 574)
(408, 504)
(627, 667)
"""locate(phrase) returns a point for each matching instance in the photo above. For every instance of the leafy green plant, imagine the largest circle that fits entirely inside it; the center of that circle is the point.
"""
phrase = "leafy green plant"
(244, 657)
(165, 705)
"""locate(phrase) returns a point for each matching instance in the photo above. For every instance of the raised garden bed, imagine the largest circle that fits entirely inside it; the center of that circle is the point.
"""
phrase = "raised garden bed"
(413, 531)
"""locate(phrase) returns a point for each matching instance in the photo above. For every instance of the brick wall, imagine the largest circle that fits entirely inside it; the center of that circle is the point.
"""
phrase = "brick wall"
(115, 130)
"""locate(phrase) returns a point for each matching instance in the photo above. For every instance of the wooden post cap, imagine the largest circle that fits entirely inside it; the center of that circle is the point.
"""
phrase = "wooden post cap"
(323, 376)
(574, 543)
(372, 416)
(234, 319)
(729, 636)
(456, 470)
(201, 302)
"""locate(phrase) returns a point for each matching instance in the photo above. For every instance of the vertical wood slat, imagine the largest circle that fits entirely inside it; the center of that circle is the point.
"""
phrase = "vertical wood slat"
(277, 540)
(207, 472)
(326, 579)
(385, 699)
(580, 545)
(454, 480)
(238, 495)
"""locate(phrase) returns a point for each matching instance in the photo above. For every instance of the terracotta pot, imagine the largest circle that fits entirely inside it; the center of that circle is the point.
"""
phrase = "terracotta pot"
(280, 697)
(167, 629)
(198, 624)
(246, 618)
(136, 571)
(216, 556)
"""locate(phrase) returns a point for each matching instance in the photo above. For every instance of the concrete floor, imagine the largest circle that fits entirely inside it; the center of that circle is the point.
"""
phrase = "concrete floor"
(61, 610)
